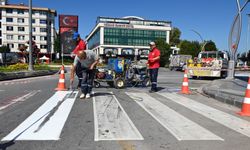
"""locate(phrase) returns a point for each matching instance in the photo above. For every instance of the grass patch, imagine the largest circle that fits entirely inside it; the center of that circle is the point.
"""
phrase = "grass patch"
(24, 67)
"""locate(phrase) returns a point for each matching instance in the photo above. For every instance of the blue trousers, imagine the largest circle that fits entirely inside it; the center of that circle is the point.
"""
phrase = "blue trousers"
(153, 73)
(87, 81)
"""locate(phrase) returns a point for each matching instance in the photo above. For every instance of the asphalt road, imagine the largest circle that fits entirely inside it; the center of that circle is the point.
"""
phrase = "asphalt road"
(33, 116)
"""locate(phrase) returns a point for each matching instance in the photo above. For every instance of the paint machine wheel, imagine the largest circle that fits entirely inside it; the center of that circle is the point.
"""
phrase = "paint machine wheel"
(119, 83)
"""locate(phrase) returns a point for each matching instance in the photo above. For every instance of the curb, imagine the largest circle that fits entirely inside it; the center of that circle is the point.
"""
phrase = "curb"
(234, 99)
(25, 74)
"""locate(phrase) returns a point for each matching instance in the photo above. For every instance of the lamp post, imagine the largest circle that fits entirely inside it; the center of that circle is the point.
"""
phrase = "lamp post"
(30, 37)
(234, 38)
(202, 40)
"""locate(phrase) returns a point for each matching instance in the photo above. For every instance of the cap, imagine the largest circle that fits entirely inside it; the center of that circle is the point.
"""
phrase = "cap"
(75, 35)
(152, 43)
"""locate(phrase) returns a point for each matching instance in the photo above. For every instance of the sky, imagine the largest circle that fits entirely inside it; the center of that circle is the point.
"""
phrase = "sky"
(212, 19)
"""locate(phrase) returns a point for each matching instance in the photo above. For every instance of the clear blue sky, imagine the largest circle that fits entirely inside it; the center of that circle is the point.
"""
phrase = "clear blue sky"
(211, 18)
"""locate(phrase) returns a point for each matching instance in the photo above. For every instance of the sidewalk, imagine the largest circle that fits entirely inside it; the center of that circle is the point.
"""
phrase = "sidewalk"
(228, 91)
(25, 74)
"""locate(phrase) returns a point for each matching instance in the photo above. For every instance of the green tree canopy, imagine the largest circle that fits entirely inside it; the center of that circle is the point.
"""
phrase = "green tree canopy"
(165, 51)
(4, 49)
(190, 48)
(57, 44)
(175, 35)
(210, 46)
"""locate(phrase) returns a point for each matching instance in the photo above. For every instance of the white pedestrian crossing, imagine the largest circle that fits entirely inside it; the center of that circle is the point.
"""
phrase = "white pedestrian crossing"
(111, 120)
(47, 121)
(230, 121)
(181, 127)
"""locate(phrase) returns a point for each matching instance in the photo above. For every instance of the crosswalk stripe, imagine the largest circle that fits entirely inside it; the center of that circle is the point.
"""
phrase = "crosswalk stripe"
(230, 121)
(47, 121)
(181, 127)
(111, 120)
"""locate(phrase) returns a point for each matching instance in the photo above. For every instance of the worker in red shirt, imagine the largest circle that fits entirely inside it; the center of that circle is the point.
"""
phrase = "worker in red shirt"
(153, 65)
(80, 44)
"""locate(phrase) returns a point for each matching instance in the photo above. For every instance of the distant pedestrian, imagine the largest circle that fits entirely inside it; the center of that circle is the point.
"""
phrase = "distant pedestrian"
(88, 60)
(153, 64)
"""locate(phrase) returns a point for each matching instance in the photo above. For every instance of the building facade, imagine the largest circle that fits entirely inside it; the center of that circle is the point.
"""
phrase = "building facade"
(126, 35)
(14, 27)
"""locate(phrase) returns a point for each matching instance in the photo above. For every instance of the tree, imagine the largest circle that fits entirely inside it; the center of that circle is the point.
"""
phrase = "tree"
(4, 49)
(190, 48)
(175, 35)
(165, 51)
(210, 46)
(57, 44)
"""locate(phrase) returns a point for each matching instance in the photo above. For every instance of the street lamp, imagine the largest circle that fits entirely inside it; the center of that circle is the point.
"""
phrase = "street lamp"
(30, 37)
(234, 38)
(202, 40)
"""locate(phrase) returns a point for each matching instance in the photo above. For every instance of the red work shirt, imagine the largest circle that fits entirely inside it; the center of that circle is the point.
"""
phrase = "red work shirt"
(80, 46)
(154, 63)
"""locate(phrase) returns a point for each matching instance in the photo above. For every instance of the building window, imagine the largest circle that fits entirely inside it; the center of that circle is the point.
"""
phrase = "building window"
(34, 38)
(44, 13)
(9, 28)
(10, 45)
(43, 29)
(9, 19)
(9, 11)
(33, 29)
(43, 46)
(20, 11)
(21, 37)
(20, 20)
(1, 42)
(21, 29)
(42, 21)
(9, 37)
(43, 38)
(33, 20)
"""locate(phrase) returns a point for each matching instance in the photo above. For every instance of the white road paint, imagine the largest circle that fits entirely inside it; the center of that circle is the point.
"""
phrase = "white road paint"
(111, 120)
(19, 99)
(181, 127)
(230, 121)
(47, 122)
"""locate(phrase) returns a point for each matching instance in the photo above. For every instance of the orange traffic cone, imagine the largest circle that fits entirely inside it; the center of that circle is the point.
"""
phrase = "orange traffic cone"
(245, 110)
(61, 84)
(185, 89)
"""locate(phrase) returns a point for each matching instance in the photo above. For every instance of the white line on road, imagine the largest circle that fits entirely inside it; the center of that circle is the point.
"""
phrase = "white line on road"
(181, 127)
(19, 99)
(230, 121)
(111, 120)
(47, 121)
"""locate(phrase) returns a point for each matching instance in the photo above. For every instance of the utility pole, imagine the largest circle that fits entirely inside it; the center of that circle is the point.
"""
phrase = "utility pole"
(30, 37)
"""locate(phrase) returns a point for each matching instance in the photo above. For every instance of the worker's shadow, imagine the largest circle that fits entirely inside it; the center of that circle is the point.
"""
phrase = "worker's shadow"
(160, 89)
(4, 146)
(96, 94)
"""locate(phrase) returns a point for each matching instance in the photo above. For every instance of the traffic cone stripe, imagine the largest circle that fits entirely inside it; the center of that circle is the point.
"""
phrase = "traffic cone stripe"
(247, 100)
(185, 75)
(61, 80)
(245, 110)
(185, 83)
(62, 71)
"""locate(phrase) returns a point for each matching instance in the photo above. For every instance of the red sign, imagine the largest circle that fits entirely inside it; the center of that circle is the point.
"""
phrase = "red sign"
(68, 21)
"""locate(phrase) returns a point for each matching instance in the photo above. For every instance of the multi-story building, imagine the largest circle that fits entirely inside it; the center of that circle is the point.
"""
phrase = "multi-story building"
(14, 26)
(131, 34)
